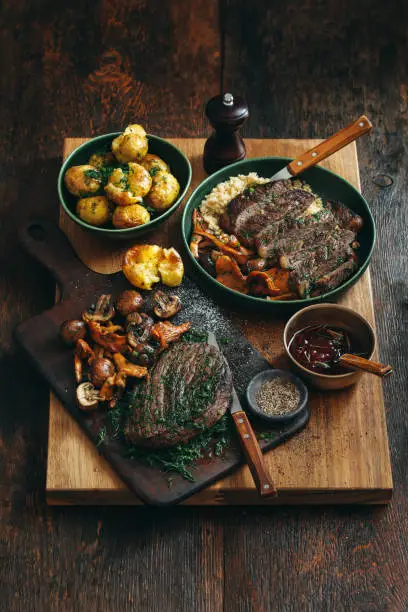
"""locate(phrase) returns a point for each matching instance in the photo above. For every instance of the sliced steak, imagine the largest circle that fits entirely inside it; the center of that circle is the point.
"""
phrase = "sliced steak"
(189, 390)
(254, 200)
(319, 259)
(290, 235)
(346, 218)
(283, 211)
(336, 277)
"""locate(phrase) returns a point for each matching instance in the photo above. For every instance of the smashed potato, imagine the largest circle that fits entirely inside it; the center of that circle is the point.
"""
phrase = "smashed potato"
(145, 264)
(95, 210)
(128, 186)
(82, 180)
(171, 268)
(154, 164)
(131, 145)
(130, 216)
(141, 265)
(164, 191)
(99, 160)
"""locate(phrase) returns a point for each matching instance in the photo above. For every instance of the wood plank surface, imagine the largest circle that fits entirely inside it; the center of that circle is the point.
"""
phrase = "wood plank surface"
(343, 453)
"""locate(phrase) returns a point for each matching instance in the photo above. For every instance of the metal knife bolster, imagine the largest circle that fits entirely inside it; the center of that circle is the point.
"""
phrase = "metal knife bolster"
(281, 175)
(235, 403)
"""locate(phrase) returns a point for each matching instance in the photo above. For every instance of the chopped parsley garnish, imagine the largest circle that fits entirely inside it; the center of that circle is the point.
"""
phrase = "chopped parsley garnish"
(154, 170)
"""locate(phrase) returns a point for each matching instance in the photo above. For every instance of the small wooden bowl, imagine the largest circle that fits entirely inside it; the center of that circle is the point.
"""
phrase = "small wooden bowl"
(336, 316)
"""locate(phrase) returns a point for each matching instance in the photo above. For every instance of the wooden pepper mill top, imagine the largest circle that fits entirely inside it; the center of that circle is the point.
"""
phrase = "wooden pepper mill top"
(226, 113)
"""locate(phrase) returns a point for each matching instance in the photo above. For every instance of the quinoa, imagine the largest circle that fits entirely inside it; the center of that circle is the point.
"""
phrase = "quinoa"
(215, 203)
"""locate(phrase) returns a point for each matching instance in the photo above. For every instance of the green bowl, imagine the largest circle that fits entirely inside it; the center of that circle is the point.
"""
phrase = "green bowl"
(324, 182)
(179, 166)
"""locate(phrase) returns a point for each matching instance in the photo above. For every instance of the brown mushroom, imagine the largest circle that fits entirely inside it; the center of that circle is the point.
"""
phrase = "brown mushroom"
(102, 312)
(256, 265)
(142, 354)
(101, 369)
(129, 301)
(133, 318)
(165, 306)
(87, 397)
(72, 330)
(139, 333)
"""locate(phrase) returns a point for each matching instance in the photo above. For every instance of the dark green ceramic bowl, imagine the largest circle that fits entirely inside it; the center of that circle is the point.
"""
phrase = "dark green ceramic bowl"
(323, 182)
(179, 166)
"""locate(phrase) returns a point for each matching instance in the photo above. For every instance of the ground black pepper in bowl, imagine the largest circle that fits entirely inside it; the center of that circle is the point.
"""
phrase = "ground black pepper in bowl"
(277, 397)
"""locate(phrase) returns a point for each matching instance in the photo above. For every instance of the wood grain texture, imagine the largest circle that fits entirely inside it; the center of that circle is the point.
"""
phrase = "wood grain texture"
(343, 453)
(306, 70)
(253, 454)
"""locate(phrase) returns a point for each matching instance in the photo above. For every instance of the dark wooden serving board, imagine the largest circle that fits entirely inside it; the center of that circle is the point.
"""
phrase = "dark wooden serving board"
(79, 287)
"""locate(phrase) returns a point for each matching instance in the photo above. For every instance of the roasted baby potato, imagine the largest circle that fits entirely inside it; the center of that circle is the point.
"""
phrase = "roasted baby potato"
(95, 210)
(164, 191)
(130, 216)
(141, 265)
(99, 160)
(154, 164)
(128, 186)
(130, 146)
(82, 180)
(171, 268)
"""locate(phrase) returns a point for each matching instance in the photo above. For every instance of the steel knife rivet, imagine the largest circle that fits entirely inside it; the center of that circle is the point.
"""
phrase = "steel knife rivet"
(240, 420)
(361, 124)
(246, 435)
(266, 486)
(314, 154)
(300, 163)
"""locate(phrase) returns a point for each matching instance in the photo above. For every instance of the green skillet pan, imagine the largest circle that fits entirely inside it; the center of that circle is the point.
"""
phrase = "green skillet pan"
(327, 184)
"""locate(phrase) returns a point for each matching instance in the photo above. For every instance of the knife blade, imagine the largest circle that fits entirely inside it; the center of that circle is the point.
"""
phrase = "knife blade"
(235, 403)
(250, 445)
(361, 126)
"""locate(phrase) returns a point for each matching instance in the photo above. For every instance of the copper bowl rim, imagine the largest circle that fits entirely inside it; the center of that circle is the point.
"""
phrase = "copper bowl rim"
(318, 375)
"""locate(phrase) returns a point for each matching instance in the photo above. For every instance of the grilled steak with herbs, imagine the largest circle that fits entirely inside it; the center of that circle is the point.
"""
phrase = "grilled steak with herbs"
(189, 390)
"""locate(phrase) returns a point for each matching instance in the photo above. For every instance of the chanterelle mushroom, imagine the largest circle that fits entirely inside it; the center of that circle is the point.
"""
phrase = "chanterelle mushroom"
(82, 352)
(87, 396)
(107, 337)
(103, 311)
(165, 306)
(165, 332)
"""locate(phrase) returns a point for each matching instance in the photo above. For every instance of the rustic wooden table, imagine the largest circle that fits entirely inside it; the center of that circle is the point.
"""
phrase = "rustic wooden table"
(306, 68)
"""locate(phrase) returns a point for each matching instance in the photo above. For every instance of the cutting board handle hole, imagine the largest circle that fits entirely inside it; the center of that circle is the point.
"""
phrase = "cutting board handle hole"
(37, 232)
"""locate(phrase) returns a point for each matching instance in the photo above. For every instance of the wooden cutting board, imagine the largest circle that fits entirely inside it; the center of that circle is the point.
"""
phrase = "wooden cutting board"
(341, 457)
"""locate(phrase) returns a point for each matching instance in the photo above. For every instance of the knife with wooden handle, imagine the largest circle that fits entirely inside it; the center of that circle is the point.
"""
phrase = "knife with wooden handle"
(326, 148)
(250, 445)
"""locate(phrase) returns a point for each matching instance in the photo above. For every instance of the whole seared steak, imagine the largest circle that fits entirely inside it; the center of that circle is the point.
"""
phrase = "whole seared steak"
(189, 390)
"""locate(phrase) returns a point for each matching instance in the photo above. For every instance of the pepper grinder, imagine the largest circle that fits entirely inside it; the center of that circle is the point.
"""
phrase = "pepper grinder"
(225, 146)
